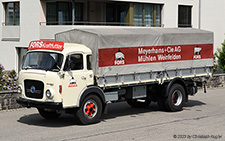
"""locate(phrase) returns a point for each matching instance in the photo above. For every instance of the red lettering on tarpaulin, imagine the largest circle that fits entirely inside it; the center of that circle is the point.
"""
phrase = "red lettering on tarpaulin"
(153, 54)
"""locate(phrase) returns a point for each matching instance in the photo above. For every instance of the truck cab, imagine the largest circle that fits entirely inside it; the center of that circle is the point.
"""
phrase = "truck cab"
(53, 76)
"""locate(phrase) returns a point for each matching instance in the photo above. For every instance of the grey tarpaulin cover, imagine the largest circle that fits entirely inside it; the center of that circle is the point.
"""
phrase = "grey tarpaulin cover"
(127, 50)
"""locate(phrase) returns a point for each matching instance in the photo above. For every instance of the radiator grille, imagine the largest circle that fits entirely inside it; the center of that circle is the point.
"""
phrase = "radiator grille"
(34, 89)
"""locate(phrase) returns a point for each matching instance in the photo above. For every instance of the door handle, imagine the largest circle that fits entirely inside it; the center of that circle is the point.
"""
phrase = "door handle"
(83, 78)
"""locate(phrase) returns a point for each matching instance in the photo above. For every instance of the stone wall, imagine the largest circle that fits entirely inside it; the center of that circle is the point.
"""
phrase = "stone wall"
(216, 81)
(8, 100)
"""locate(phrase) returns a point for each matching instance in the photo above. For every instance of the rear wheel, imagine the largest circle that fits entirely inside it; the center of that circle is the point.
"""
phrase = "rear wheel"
(48, 114)
(176, 98)
(90, 110)
(138, 104)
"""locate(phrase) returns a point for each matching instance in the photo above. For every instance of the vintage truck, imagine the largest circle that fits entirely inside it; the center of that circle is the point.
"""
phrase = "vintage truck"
(84, 69)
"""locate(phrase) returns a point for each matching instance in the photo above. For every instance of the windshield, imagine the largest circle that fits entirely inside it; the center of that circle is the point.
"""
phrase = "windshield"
(43, 60)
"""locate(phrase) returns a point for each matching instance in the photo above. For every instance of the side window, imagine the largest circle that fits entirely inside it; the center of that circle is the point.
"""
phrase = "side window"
(74, 62)
(89, 67)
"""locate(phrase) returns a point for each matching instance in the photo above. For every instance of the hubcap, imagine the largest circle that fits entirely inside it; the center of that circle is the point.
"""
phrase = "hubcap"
(90, 109)
(177, 97)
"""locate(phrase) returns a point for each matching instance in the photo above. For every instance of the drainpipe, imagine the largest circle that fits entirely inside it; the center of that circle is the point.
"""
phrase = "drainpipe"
(199, 16)
(73, 11)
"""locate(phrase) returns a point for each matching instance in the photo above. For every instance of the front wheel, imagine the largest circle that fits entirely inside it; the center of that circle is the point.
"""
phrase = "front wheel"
(48, 114)
(90, 110)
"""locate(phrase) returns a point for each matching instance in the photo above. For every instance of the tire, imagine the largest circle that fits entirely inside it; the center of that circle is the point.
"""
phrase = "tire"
(48, 114)
(176, 98)
(90, 110)
(138, 104)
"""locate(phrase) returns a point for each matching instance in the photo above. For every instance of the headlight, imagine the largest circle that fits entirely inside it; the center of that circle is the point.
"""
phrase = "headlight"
(49, 94)
(19, 90)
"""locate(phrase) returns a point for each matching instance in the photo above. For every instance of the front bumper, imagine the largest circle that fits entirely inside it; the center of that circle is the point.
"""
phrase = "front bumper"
(37, 104)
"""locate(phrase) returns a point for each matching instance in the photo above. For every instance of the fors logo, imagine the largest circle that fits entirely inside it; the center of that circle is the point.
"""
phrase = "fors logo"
(119, 58)
(197, 52)
(73, 83)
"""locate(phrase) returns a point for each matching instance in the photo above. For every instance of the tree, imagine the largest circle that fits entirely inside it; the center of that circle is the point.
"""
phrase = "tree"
(215, 64)
(221, 56)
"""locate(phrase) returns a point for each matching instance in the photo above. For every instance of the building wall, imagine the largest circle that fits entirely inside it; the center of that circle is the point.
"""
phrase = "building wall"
(27, 30)
(29, 21)
(8, 55)
(7, 48)
(213, 19)
(32, 12)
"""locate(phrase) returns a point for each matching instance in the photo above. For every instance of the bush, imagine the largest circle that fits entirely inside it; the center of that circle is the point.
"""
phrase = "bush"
(8, 79)
(221, 57)
(215, 65)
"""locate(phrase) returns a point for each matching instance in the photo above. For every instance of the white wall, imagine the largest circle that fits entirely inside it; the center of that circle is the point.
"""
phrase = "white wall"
(29, 21)
(8, 55)
(213, 19)
(28, 30)
(170, 15)
(7, 50)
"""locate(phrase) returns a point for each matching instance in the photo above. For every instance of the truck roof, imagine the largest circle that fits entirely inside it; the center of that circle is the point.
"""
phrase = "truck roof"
(137, 31)
(73, 47)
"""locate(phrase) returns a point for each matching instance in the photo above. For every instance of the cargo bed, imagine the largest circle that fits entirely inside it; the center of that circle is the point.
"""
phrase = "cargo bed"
(130, 55)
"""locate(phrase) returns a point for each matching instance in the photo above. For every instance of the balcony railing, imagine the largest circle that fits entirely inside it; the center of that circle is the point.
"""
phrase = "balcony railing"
(185, 25)
(10, 32)
(98, 23)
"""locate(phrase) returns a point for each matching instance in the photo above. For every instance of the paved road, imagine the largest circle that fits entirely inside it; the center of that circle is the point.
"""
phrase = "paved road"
(203, 118)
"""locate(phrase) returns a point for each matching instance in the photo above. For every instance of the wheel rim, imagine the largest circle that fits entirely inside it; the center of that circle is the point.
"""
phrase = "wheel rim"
(177, 97)
(90, 109)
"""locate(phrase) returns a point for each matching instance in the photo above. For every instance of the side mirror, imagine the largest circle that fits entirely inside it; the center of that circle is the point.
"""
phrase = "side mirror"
(61, 74)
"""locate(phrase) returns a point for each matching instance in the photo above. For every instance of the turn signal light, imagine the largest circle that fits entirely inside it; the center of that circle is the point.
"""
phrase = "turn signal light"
(60, 89)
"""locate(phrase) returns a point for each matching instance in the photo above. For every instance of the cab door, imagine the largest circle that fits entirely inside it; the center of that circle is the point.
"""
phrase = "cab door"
(77, 77)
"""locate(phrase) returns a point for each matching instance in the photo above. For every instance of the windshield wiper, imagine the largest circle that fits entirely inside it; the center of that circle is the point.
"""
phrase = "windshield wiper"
(56, 68)
(27, 67)
(32, 67)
